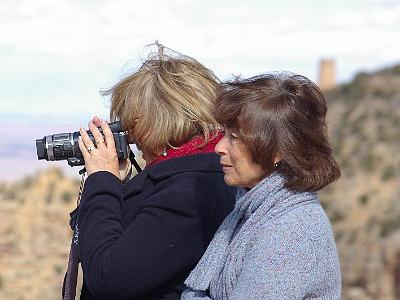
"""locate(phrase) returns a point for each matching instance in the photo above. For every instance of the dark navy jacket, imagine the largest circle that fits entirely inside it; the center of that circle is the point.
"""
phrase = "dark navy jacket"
(141, 240)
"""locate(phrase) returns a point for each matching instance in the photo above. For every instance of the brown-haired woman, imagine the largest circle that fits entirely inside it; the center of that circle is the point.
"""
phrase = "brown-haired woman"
(277, 243)
(140, 239)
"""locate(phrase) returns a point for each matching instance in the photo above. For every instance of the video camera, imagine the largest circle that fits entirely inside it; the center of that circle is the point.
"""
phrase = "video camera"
(64, 146)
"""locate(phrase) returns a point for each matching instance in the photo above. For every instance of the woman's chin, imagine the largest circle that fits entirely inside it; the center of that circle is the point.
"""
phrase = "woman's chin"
(230, 181)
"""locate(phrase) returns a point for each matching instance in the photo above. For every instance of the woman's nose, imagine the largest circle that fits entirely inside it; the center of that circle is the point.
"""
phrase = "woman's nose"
(220, 147)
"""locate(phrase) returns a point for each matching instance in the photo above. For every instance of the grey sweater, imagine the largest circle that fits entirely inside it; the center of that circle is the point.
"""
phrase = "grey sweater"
(276, 244)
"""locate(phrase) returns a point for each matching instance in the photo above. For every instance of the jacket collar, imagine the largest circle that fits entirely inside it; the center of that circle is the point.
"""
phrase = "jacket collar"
(208, 162)
(194, 146)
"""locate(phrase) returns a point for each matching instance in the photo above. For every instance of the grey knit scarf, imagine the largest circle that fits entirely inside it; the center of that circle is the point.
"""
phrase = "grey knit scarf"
(221, 264)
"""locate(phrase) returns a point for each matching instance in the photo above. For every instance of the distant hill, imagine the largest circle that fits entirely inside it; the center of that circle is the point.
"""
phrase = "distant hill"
(364, 205)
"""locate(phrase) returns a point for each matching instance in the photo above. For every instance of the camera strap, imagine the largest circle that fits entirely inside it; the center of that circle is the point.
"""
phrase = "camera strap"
(71, 276)
(134, 162)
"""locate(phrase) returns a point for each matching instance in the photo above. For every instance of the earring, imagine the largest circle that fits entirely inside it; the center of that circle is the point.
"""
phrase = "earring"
(276, 164)
(164, 153)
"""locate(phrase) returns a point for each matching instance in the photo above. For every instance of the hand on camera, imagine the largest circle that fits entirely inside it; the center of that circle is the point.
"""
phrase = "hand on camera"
(125, 165)
(103, 155)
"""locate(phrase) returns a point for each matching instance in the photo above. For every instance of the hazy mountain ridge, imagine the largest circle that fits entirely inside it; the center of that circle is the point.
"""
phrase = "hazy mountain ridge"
(364, 206)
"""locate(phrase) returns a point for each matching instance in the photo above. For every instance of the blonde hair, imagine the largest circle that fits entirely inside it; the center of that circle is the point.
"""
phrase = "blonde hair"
(165, 103)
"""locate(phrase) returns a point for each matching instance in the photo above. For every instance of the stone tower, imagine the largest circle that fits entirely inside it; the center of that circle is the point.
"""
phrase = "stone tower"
(327, 74)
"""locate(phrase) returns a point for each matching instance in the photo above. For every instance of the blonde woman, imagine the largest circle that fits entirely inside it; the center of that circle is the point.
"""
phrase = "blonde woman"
(140, 239)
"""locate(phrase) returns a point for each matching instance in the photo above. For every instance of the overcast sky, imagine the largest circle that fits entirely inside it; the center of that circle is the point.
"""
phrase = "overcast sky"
(57, 54)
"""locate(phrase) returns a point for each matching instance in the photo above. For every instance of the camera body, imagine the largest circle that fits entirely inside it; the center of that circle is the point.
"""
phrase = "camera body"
(64, 146)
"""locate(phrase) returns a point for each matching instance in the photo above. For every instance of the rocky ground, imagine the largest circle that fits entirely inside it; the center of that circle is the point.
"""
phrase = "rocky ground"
(34, 235)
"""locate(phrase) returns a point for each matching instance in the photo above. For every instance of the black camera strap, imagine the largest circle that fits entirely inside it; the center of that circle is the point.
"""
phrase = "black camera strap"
(71, 276)
(134, 162)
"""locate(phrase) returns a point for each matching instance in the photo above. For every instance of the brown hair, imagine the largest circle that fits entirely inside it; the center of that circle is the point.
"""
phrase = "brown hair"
(281, 115)
(166, 102)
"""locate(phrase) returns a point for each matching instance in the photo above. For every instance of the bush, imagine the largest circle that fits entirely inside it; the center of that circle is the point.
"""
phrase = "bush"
(58, 269)
(390, 225)
(66, 197)
(336, 216)
(363, 199)
(368, 162)
(388, 173)
(9, 194)
(27, 182)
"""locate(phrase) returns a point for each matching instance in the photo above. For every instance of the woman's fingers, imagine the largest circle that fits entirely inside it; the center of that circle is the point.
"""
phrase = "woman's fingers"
(96, 121)
(83, 149)
(86, 140)
(102, 158)
(85, 144)
(108, 135)
(98, 137)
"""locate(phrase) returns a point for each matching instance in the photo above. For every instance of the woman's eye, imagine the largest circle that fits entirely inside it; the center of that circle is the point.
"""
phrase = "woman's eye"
(233, 136)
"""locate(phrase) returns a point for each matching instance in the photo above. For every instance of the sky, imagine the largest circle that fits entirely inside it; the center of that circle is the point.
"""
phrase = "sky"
(56, 55)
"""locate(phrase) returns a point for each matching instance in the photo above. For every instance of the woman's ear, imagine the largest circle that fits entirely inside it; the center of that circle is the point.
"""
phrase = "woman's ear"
(278, 158)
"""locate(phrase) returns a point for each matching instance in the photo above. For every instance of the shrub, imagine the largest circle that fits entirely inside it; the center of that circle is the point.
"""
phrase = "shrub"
(390, 225)
(336, 216)
(388, 173)
(363, 199)
(66, 197)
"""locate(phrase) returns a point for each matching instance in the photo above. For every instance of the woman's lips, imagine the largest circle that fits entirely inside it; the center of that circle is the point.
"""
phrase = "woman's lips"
(225, 166)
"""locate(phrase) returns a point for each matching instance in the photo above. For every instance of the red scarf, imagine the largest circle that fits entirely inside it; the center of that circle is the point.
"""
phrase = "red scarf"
(189, 148)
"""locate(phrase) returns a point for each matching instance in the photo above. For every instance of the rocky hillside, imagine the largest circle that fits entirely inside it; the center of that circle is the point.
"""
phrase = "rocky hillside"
(364, 205)
(34, 235)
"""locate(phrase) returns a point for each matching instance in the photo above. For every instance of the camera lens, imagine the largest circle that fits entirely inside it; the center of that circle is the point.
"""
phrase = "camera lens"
(41, 149)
